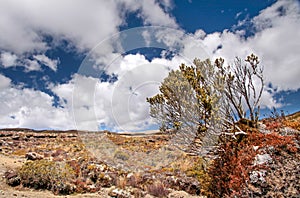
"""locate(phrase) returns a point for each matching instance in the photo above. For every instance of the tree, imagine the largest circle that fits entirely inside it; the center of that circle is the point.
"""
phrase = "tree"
(244, 85)
(202, 99)
(189, 101)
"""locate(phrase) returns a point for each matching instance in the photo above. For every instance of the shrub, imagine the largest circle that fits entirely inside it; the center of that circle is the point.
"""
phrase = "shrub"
(121, 182)
(134, 180)
(121, 155)
(231, 170)
(292, 124)
(198, 170)
(44, 174)
(203, 99)
(157, 189)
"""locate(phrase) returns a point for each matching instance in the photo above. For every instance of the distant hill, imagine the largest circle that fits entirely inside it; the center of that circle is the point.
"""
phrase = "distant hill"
(294, 116)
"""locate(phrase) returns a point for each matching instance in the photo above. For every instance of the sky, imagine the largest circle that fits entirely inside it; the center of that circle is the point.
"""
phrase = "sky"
(91, 64)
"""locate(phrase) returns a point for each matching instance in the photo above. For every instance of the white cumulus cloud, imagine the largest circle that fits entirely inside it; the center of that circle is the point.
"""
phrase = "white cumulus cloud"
(8, 59)
(43, 59)
(276, 42)
(21, 107)
(4, 82)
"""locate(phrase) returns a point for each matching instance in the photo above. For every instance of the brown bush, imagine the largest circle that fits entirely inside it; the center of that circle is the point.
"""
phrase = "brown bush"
(157, 189)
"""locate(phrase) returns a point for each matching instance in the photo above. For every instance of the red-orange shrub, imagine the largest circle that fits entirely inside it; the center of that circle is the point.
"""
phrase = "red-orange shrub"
(231, 170)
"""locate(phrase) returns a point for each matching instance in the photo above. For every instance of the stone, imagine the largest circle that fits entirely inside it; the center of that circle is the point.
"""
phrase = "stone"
(178, 194)
(12, 178)
(262, 159)
(256, 176)
(33, 156)
(117, 192)
(148, 196)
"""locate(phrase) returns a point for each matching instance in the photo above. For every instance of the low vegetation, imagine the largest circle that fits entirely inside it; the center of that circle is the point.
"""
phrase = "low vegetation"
(232, 170)
(50, 175)
(67, 167)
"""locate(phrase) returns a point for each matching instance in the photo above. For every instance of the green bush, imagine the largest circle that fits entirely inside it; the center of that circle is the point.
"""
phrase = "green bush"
(50, 175)
(121, 155)
(198, 171)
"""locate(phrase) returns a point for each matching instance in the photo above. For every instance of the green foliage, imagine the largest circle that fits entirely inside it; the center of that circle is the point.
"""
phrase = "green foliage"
(50, 175)
(206, 99)
(189, 97)
(192, 94)
(119, 154)
(198, 170)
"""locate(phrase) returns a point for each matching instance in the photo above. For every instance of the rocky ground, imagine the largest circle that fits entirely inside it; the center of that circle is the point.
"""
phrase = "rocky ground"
(116, 175)
(104, 164)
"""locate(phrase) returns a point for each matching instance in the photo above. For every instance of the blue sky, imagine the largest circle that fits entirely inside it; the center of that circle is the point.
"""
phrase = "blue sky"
(72, 64)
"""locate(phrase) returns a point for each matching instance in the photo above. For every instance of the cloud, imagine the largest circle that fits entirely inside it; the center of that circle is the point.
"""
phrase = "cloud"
(22, 107)
(167, 4)
(8, 59)
(4, 82)
(140, 80)
(151, 12)
(24, 24)
(238, 15)
(25, 29)
(30, 65)
(276, 41)
(31, 27)
(153, 15)
(276, 14)
(119, 105)
(43, 59)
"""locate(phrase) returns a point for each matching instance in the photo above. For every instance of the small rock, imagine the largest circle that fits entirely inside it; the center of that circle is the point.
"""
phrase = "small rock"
(256, 176)
(101, 167)
(12, 178)
(16, 137)
(287, 131)
(262, 159)
(33, 156)
(148, 196)
(188, 184)
(179, 194)
(263, 128)
(254, 189)
(9, 174)
(129, 175)
(255, 148)
(116, 192)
